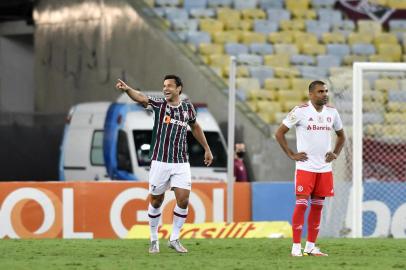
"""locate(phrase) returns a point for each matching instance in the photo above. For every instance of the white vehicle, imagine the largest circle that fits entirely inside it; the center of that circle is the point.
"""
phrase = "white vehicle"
(111, 141)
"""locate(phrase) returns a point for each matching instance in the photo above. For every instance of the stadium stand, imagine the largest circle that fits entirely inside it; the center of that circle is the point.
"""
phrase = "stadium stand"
(282, 45)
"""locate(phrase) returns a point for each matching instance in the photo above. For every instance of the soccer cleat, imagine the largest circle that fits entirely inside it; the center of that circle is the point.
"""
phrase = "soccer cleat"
(176, 245)
(154, 247)
(296, 254)
(314, 252)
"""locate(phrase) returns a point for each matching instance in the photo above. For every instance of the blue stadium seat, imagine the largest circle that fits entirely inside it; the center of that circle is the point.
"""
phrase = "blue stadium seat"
(245, 4)
(328, 61)
(219, 3)
(317, 27)
(172, 13)
(265, 26)
(167, 2)
(198, 37)
(275, 15)
(329, 15)
(261, 73)
(323, 3)
(396, 96)
(338, 49)
(249, 59)
(313, 72)
(202, 13)
(232, 48)
(185, 25)
(266, 4)
(190, 4)
(261, 48)
(302, 59)
(363, 49)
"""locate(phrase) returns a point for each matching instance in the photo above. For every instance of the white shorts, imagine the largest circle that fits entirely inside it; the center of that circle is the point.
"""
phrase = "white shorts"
(163, 176)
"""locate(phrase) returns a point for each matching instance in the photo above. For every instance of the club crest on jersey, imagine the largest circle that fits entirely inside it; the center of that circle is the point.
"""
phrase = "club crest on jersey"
(329, 119)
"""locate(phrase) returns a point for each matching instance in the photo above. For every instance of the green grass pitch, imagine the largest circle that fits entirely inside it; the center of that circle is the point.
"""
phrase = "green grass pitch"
(221, 254)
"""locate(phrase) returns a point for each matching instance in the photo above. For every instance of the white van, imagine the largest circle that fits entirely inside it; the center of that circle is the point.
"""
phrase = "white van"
(104, 141)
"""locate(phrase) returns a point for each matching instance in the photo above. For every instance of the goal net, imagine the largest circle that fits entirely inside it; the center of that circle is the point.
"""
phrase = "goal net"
(370, 174)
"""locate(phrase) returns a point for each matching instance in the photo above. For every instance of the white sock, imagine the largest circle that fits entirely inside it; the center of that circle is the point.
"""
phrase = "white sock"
(154, 215)
(296, 248)
(309, 246)
(179, 217)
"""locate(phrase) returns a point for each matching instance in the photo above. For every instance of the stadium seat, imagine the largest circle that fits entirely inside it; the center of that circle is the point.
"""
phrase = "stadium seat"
(249, 59)
(211, 25)
(241, 71)
(172, 13)
(385, 38)
(351, 58)
(245, 4)
(333, 37)
(386, 84)
(267, 4)
(313, 72)
(380, 58)
(328, 61)
(281, 37)
(300, 84)
(198, 37)
(363, 49)
(265, 27)
(373, 106)
(364, 38)
(397, 25)
(302, 59)
(261, 48)
(172, 3)
(395, 118)
(262, 94)
(277, 84)
(261, 73)
(304, 14)
(323, 3)
(282, 72)
(301, 38)
(290, 95)
(218, 60)
(243, 25)
(228, 36)
(344, 25)
(219, 3)
(338, 49)
(232, 48)
(253, 14)
(288, 105)
(227, 14)
(297, 4)
(189, 25)
(292, 25)
(210, 48)
(392, 50)
(370, 27)
(286, 48)
(191, 4)
(317, 27)
(396, 107)
(374, 96)
(247, 83)
(397, 96)
(253, 37)
(313, 49)
(372, 118)
(202, 13)
(330, 15)
(397, 4)
(277, 60)
(276, 15)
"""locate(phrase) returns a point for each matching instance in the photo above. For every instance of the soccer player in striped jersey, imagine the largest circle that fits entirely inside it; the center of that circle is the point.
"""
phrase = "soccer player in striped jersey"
(314, 122)
(170, 166)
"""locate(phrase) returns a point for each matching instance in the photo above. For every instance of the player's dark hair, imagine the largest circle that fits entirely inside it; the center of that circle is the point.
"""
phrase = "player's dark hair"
(313, 85)
(177, 79)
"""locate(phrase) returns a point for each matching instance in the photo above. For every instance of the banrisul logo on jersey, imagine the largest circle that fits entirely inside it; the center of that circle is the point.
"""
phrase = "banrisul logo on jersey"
(317, 127)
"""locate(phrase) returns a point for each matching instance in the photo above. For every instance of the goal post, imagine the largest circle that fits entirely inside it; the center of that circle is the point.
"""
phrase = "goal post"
(357, 136)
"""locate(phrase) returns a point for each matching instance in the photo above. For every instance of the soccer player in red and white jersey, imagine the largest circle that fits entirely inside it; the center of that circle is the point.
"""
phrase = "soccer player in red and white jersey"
(170, 166)
(314, 122)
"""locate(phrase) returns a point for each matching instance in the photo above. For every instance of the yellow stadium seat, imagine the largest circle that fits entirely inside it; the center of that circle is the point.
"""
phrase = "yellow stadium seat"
(286, 95)
(211, 25)
(227, 36)
(299, 84)
(350, 59)
(253, 37)
(392, 50)
(227, 14)
(281, 37)
(395, 118)
(313, 49)
(210, 48)
(374, 96)
(277, 84)
(292, 25)
(282, 48)
(288, 105)
(302, 38)
(297, 4)
(380, 58)
(262, 94)
(369, 27)
(333, 37)
(373, 106)
(267, 117)
(247, 83)
(277, 60)
(217, 70)
(218, 60)
(304, 14)
(241, 71)
(359, 38)
(243, 25)
(385, 38)
(253, 105)
(252, 14)
(269, 106)
(397, 4)
(386, 84)
(282, 72)
(379, 2)
(396, 107)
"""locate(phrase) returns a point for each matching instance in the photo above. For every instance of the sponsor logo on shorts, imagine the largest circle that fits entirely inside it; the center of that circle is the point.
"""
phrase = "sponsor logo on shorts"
(299, 188)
